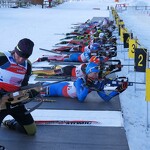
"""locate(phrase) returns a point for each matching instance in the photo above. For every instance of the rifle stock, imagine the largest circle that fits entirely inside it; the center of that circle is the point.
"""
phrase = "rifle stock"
(22, 96)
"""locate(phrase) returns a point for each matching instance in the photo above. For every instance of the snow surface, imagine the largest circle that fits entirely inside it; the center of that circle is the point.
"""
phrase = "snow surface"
(42, 25)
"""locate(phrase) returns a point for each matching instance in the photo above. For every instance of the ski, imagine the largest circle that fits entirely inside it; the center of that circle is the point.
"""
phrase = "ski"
(66, 122)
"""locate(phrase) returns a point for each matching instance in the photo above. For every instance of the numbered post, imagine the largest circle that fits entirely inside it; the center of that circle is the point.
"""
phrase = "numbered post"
(132, 47)
(120, 25)
(140, 59)
(126, 37)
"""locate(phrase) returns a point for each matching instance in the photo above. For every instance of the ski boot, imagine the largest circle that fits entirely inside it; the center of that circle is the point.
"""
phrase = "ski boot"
(11, 124)
(2, 147)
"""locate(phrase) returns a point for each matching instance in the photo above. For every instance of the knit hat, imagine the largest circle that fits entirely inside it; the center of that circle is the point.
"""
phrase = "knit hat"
(24, 48)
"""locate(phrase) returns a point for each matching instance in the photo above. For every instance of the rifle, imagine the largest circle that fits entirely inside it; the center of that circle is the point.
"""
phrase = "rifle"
(23, 96)
(118, 80)
(49, 58)
(60, 52)
(53, 71)
(100, 53)
(108, 82)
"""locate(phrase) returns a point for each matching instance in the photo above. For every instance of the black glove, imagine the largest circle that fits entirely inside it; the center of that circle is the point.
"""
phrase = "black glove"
(123, 86)
(89, 82)
(112, 67)
(42, 59)
(2, 93)
(109, 55)
(33, 93)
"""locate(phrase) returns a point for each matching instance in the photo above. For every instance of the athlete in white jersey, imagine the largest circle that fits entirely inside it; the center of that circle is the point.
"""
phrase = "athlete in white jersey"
(15, 70)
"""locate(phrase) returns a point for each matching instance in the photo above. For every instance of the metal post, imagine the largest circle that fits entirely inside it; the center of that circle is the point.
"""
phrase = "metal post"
(135, 81)
(145, 98)
(147, 118)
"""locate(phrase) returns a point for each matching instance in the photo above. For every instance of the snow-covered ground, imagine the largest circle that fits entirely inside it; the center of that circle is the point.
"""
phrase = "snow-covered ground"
(133, 102)
(42, 25)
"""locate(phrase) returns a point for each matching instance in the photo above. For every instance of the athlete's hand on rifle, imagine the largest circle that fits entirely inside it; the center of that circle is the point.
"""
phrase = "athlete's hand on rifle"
(112, 67)
(119, 66)
(1, 95)
(42, 59)
(108, 54)
(33, 93)
(89, 82)
(123, 86)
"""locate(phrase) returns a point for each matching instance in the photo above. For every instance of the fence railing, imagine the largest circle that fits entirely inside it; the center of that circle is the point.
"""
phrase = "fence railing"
(14, 3)
(123, 7)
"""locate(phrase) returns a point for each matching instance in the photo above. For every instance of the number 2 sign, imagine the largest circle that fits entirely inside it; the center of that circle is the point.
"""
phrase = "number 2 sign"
(140, 59)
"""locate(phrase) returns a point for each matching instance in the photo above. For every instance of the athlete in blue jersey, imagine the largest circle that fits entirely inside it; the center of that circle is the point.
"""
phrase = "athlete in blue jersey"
(89, 51)
(82, 86)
